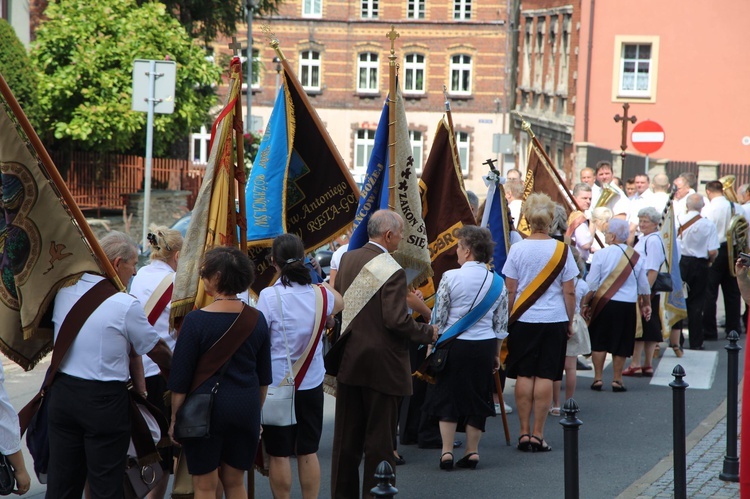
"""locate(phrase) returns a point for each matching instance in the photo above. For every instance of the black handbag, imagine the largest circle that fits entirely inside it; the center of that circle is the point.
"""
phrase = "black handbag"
(193, 419)
(663, 282)
(437, 360)
(140, 480)
(7, 476)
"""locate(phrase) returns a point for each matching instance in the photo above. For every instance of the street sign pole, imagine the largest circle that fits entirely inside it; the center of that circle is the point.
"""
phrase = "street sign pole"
(149, 151)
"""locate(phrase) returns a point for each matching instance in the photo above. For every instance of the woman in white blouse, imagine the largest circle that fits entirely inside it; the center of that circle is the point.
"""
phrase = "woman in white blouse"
(464, 388)
(10, 439)
(289, 308)
(538, 339)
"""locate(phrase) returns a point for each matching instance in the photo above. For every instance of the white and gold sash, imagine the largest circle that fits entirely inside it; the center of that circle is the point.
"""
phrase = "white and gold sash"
(370, 279)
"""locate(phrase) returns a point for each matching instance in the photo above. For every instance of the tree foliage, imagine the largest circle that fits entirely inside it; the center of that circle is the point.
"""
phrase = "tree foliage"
(204, 19)
(84, 55)
(15, 66)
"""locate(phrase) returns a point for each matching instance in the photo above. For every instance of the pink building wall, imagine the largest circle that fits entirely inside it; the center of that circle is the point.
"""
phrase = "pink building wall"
(703, 77)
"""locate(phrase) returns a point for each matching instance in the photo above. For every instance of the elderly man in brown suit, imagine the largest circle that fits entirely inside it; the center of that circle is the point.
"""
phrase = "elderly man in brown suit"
(374, 372)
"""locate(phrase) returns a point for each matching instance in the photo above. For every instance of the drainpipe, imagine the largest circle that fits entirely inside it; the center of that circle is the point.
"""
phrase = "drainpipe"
(588, 75)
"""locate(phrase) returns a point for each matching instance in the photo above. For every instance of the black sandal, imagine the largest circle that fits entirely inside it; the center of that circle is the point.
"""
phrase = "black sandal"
(597, 385)
(467, 463)
(540, 445)
(446, 465)
(524, 446)
(617, 386)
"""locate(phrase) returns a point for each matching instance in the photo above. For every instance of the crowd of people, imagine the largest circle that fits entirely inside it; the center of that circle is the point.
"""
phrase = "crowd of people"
(579, 285)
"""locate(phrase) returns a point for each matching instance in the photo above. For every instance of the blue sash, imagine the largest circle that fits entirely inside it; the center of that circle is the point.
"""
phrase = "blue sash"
(476, 313)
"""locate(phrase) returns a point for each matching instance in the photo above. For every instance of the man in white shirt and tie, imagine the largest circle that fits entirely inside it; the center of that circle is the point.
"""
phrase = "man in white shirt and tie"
(720, 211)
(699, 244)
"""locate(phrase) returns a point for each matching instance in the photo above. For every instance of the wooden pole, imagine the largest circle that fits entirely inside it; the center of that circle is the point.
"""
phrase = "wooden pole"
(392, 35)
(54, 175)
(239, 169)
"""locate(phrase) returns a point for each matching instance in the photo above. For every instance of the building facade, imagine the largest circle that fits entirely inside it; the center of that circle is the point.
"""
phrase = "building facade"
(17, 13)
(339, 50)
(548, 39)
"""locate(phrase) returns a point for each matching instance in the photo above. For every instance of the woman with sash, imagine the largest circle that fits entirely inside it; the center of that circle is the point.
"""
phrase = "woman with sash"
(617, 279)
(296, 311)
(471, 312)
(153, 285)
(539, 273)
(240, 361)
(651, 249)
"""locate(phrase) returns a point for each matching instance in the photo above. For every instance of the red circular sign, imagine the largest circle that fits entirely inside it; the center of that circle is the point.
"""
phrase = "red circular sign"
(647, 137)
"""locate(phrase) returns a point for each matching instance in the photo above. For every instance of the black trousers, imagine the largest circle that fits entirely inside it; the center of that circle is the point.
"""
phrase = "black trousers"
(718, 275)
(695, 274)
(89, 433)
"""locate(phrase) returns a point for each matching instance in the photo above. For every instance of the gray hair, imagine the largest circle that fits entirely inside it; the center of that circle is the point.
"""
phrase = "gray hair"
(382, 221)
(620, 229)
(117, 244)
(559, 221)
(515, 187)
(694, 202)
(650, 213)
(601, 214)
(473, 200)
(583, 186)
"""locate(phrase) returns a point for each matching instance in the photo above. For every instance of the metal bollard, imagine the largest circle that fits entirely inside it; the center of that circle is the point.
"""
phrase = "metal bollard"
(570, 424)
(384, 474)
(678, 428)
(731, 470)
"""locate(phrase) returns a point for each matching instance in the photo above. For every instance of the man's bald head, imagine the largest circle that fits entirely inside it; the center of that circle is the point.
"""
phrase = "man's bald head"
(694, 202)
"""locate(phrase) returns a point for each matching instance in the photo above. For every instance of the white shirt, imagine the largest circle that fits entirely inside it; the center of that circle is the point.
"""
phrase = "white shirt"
(719, 211)
(515, 211)
(460, 289)
(581, 289)
(336, 257)
(298, 315)
(142, 287)
(605, 261)
(652, 251)
(582, 236)
(595, 246)
(698, 239)
(100, 351)
(526, 260)
(658, 200)
(680, 205)
(746, 208)
(10, 432)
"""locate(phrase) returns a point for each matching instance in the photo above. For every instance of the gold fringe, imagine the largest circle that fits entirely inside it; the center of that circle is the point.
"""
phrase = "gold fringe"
(424, 377)
(180, 309)
(410, 262)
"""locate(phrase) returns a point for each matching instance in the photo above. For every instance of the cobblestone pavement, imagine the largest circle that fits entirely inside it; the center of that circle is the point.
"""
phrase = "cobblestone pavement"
(706, 447)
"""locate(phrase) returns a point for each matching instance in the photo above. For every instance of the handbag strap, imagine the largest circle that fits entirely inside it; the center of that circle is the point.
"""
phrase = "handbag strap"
(225, 347)
(69, 329)
(289, 378)
(663, 249)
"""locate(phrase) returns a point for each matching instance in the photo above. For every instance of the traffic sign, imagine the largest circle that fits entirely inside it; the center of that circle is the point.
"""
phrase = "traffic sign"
(647, 137)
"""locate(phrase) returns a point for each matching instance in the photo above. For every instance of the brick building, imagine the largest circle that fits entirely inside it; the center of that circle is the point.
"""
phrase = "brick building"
(339, 51)
(548, 46)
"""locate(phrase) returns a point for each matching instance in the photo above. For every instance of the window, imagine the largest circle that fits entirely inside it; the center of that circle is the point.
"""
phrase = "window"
(415, 9)
(199, 146)
(462, 9)
(367, 69)
(462, 144)
(312, 8)
(309, 70)
(461, 74)
(364, 142)
(527, 51)
(256, 69)
(417, 147)
(636, 67)
(369, 9)
(414, 69)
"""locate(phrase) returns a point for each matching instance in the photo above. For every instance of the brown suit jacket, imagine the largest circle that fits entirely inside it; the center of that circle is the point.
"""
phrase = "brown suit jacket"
(377, 353)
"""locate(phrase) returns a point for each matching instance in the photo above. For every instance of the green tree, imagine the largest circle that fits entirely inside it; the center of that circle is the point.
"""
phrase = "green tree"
(205, 19)
(84, 54)
(15, 66)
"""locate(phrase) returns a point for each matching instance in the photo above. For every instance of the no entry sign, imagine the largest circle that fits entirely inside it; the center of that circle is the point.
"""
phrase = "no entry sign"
(647, 137)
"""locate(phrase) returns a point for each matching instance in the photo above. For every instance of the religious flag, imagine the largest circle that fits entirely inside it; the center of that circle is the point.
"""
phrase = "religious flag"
(214, 215)
(541, 178)
(299, 183)
(495, 219)
(672, 305)
(444, 205)
(43, 238)
(374, 189)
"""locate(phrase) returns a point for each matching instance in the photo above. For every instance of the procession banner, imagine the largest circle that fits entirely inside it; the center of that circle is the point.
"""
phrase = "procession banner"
(46, 242)
(299, 183)
(673, 306)
(213, 221)
(495, 219)
(445, 206)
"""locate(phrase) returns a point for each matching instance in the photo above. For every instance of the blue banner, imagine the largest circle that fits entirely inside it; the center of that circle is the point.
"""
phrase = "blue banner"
(496, 225)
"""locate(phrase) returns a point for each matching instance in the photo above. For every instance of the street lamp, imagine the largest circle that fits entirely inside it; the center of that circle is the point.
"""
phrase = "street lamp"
(250, 7)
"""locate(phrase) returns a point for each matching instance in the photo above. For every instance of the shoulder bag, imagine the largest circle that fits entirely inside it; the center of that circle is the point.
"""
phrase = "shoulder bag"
(278, 409)
(663, 282)
(193, 419)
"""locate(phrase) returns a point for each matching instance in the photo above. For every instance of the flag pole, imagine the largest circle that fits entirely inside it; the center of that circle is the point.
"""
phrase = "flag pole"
(449, 116)
(59, 184)
(392, 35)
(239, 214)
